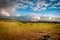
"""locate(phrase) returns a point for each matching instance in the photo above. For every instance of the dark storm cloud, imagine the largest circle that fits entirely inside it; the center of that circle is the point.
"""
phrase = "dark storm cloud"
(5, 3)
(6, 7)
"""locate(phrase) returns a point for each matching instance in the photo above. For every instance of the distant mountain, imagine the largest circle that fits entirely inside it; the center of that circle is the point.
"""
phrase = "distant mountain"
(33, 17)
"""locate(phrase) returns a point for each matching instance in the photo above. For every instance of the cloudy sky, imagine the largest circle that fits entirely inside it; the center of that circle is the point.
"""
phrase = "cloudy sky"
(40, 7)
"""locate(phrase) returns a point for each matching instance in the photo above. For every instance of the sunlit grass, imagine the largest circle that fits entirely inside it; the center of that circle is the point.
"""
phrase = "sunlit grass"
(29, 28)
(21, 25)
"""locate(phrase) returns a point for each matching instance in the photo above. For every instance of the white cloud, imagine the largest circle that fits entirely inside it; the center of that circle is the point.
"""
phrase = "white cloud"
(38, 5)
(19, 0)
(44, 8)
(53, 7)
(38, 17)
(4, 12)
(29, 2)
(11, 7)
(15, 15)
(33, 17)
(50, 18)
(52, 0)
(34, 6)
(39, 9)
(58, 3)
(35, 9)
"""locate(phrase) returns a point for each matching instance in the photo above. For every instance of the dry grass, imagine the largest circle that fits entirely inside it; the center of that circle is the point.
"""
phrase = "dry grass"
(29, 31)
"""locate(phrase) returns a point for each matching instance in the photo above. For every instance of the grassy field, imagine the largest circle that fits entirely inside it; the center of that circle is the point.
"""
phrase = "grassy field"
(29, 31)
